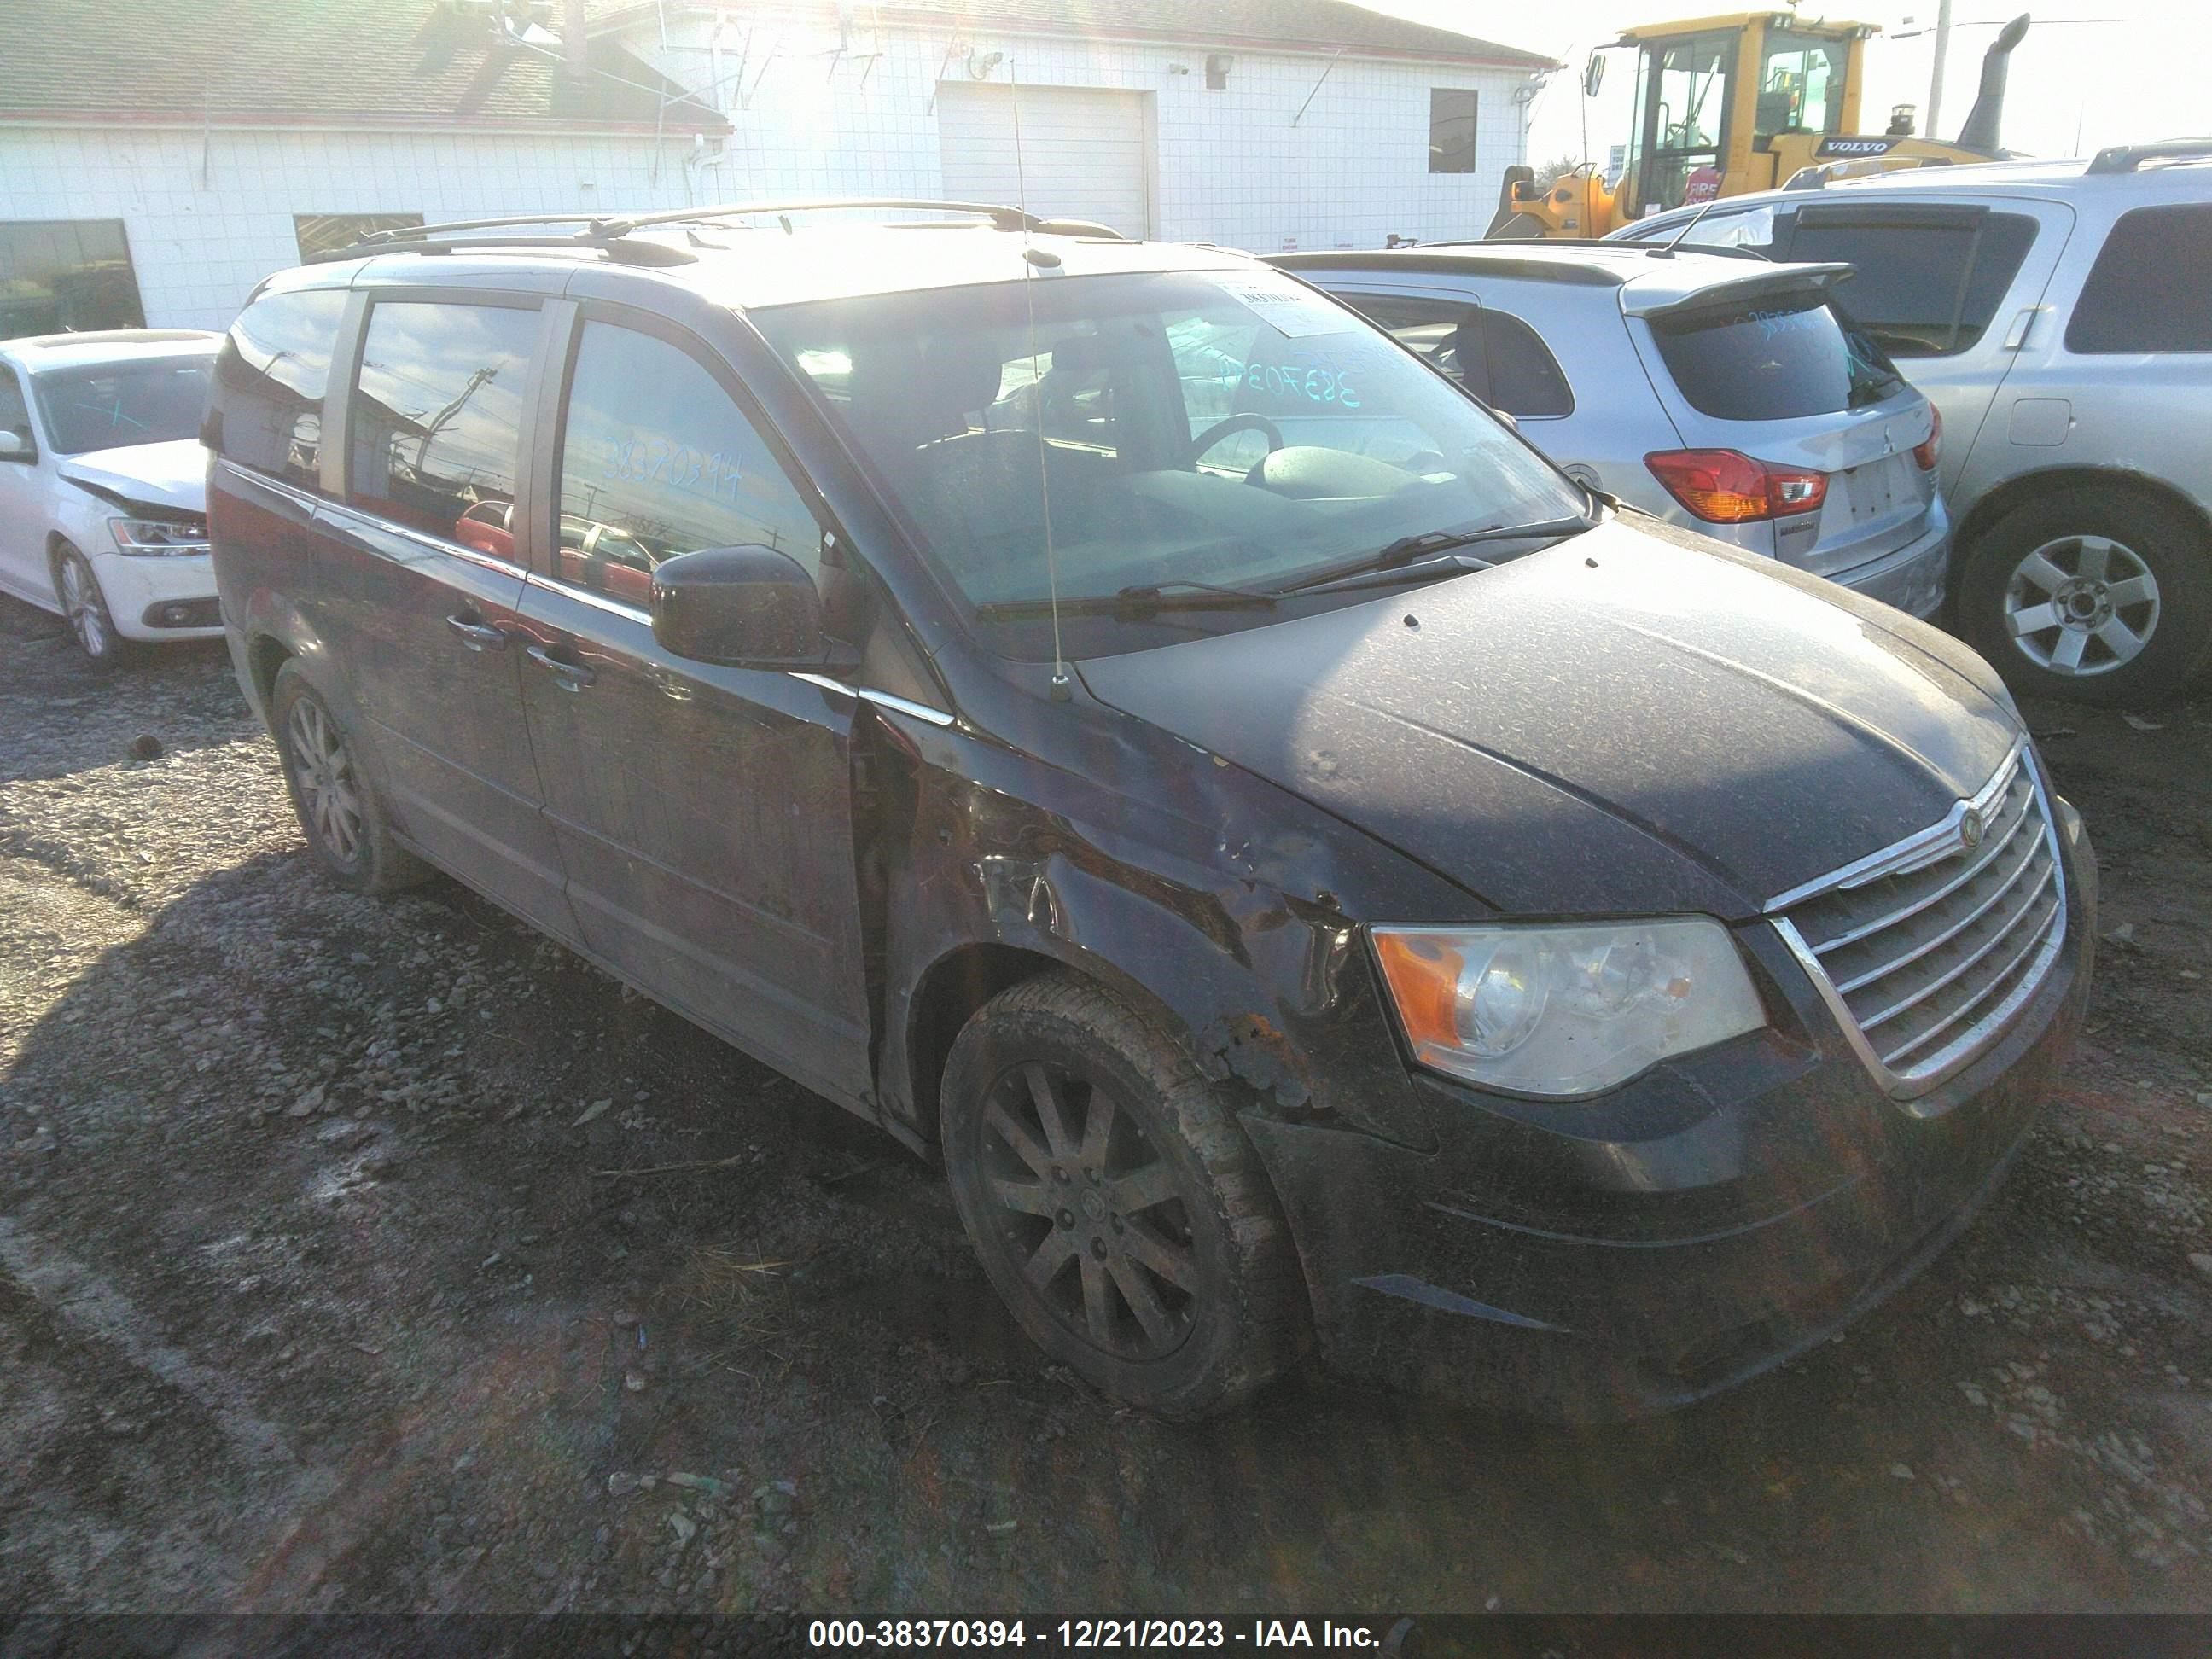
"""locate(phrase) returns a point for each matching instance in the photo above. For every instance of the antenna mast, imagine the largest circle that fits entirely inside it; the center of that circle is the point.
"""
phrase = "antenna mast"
(1039, 261)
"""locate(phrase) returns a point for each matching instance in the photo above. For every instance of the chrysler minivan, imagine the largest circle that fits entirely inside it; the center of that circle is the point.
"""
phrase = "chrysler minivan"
(1309, 873)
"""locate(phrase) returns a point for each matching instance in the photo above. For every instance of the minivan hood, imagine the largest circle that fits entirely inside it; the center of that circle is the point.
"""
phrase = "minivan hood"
(1619, 724)
(172, 474)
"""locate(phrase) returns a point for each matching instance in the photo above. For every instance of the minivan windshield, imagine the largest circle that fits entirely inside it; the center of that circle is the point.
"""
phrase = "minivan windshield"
(150, 400)
(1184, 431)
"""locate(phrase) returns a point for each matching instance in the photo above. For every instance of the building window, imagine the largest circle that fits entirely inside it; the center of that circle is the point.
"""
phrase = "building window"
(1451, 131)
(327, 233)
(66, 275)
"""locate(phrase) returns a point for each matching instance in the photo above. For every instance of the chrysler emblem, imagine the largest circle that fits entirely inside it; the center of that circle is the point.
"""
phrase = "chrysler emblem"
(1970, 829)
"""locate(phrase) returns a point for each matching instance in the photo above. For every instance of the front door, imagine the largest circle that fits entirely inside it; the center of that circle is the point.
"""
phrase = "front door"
(419, 596)
(24, 510)
(704, 813)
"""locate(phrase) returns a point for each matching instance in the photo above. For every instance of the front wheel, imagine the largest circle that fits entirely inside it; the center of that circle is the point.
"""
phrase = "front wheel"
(2100, 595)
(1113, 1202)
(84, 607)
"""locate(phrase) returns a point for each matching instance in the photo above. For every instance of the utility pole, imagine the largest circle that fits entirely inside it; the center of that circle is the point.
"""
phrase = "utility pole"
(1936, 75)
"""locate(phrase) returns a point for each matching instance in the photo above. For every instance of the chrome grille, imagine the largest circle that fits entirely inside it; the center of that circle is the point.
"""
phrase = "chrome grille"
(1926, 950)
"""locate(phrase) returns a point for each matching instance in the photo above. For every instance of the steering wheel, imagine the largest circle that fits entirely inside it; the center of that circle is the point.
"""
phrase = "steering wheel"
(1235, 424)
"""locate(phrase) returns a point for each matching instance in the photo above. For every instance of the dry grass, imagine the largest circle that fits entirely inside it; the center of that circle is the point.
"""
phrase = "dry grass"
(734, 1302)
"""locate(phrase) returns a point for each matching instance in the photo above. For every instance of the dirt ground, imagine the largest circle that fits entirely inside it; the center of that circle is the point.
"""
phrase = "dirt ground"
(377, 1255)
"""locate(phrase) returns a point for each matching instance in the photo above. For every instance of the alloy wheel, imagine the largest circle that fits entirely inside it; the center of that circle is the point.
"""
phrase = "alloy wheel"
(2081, 605)
(327, 786)
(80, 605)
(1089, 1213)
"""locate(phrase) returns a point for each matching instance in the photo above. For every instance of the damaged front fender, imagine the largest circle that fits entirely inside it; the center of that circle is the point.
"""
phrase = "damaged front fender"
(1225, 915)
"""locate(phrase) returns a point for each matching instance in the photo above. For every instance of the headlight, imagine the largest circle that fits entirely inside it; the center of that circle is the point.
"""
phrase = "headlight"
(1565, 1010)
(160, 538)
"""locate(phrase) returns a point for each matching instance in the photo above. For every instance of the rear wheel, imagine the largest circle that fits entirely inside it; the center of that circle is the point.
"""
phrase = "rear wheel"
(84, 607)
(1115, 1204)
(345, 824)
(2100, 595)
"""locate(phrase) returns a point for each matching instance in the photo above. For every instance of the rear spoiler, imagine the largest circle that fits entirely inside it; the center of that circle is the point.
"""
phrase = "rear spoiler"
(1732, 291)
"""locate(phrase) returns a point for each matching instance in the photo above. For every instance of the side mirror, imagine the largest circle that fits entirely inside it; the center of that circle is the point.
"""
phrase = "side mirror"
(1593, 74)
(16, 446)
(743, 607)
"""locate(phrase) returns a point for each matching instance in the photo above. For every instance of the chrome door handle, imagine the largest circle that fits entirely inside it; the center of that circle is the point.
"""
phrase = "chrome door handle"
(477, 635)
(568, 676)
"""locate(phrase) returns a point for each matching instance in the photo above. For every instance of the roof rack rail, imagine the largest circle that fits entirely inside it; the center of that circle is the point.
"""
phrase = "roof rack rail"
(2127, 158)
(1001, 216)
(611, 243)
(607, 232)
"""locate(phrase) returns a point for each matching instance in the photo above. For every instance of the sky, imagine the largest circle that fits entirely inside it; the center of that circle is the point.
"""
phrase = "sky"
(2115, 71)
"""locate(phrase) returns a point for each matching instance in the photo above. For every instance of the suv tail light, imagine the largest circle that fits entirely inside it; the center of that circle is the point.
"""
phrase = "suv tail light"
(1931, 450)
(1723, 487)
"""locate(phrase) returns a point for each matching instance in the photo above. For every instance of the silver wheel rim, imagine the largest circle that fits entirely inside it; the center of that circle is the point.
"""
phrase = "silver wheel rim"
(81, 605)
(1088, 1214)
(330, 797)
(2081, 605)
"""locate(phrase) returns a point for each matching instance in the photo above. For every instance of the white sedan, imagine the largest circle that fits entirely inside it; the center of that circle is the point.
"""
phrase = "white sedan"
(103, 484)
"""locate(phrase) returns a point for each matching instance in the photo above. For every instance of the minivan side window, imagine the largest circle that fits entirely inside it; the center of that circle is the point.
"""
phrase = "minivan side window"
(270, 378)
(2147, 291)
(435, 422)
(1492, 353)
(1925, 289)
(658, 459)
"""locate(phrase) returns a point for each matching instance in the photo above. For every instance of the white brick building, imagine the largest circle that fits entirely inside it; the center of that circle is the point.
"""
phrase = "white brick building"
(191, 148)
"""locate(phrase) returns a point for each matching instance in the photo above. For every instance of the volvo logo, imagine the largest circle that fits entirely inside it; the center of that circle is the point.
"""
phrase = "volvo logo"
(1970, 829)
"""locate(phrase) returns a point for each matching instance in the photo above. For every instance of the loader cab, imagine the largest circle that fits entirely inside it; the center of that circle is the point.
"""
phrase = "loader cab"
(1712, 96)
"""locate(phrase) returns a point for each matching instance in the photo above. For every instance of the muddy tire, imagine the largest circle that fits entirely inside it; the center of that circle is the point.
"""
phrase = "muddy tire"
(84, 608)
(2102, 596)
(1116, 1205)
(347, 828)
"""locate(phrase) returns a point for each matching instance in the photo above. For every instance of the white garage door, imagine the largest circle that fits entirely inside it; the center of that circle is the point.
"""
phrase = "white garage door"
(1082, 151)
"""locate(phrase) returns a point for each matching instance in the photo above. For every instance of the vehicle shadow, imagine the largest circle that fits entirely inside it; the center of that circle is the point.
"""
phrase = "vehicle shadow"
(448, 1240)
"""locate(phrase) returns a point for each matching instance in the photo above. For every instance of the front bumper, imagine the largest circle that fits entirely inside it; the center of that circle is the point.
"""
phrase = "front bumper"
(1914, 579)
(138, 589)
(1702, 1224)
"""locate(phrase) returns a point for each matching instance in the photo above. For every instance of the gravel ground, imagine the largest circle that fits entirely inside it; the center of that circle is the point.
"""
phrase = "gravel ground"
(378, 1256)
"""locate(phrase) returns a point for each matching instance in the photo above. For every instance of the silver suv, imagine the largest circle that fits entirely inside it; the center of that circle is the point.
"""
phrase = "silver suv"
(1721, 392)
(2058, 314)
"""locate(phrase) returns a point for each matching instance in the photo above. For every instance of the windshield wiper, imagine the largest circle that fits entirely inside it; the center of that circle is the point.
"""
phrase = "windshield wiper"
(1395, 556)
(1136, 602)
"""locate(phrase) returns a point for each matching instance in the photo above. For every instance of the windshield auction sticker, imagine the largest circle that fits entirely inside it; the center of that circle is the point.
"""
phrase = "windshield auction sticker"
(1290, 310)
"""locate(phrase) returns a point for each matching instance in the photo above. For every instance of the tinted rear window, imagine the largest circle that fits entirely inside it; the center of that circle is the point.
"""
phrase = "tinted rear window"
(1920, 290)
(2148, 291)
(270, 381)
(1780, 357)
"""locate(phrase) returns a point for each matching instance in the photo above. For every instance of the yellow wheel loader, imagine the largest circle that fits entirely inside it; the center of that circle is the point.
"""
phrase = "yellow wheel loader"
(1735, 103)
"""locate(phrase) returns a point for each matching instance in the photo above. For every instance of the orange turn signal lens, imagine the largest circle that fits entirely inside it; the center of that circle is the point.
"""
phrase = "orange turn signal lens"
(1723, 487)
(1424, 974)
